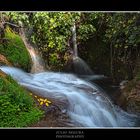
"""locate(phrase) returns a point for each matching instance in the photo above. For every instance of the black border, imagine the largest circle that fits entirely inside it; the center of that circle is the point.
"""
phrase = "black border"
(52, 133)
(69, 5)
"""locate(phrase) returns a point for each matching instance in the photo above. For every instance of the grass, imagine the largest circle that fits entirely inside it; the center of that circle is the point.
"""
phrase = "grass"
(17, 107)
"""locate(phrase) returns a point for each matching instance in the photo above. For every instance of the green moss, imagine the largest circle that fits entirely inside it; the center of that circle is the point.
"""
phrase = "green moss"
(17, 108)
(15, 51)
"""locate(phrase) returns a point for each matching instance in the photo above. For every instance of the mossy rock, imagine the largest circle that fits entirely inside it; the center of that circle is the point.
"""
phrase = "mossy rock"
(130, 97)
(14, 50)
(17, 107)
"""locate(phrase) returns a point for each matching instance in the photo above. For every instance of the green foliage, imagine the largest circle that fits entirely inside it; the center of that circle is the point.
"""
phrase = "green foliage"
(17, 17)
(15, 51)
(17, 108)
(122, 30)
(52, 32)
(123, 35)
(85, 31)
(116, 38)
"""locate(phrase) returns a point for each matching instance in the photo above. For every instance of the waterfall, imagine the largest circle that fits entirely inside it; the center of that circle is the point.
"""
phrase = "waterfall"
(73, 29)
(84, 103)
(37, 62)
(79, 65)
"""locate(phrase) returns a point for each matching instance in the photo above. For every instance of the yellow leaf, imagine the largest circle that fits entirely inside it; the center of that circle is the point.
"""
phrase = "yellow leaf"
(35, 96)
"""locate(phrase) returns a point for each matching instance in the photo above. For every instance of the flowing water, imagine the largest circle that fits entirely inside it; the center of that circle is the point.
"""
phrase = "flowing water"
(38, 65)
(79, 65)
(75, 49)
(84, 103)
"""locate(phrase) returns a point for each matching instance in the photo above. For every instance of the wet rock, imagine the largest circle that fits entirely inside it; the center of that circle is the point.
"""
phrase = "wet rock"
(129, 98)
(123, 84)
(54, 117)
(4, 61)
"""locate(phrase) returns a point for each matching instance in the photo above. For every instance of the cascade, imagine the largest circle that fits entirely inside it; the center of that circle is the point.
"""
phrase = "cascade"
(84, 103)
(79, 65)
(37, 62)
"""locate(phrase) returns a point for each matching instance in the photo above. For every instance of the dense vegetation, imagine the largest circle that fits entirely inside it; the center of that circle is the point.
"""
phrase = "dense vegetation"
(17, 108)
(114, 36)
(14, 50)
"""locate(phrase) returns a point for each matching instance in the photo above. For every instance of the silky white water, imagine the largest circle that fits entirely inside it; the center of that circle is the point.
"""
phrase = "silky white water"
(75, 49)
(82, 101)
(37, 62)
(79, 65)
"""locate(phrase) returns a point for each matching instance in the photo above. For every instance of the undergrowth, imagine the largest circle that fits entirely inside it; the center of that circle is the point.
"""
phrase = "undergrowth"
(17, 107)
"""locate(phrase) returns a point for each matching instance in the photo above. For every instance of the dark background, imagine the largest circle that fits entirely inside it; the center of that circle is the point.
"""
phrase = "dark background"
(72, 5)
(51, 133)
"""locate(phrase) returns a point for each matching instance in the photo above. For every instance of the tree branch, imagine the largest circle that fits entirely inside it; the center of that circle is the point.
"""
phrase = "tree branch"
(12, 24)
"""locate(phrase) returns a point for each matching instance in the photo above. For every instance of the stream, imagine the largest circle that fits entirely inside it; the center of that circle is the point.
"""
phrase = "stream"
(84, 102)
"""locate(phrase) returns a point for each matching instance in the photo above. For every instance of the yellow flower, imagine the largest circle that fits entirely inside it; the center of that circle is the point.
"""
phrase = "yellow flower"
(35, 96)
(47, 104)
(41, 103)
(41, 99)
(48, 101)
